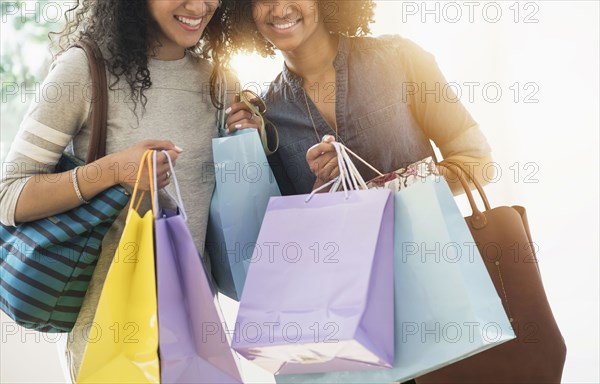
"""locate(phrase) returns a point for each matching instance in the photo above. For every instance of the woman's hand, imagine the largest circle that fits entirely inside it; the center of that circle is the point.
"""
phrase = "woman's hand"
(117, 168)
(127, 163)
(322, 161)
(239, 116)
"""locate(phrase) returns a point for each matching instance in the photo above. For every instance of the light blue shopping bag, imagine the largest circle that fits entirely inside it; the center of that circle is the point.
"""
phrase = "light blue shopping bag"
(244, 184)
(446, 306)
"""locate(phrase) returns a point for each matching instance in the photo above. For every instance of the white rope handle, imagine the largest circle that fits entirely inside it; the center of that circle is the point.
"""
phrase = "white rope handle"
(178, 200)
(349, 177)
(322, 187)
(348, 170)
(356, 176)
(155, 182)
(363, 161)
(351, 173)
(335, 182)
(344, 173)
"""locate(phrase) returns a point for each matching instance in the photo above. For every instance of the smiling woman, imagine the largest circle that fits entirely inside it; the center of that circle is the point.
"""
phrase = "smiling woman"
(344, 17)
(523, 43)
(336, 81)
(173, 19)
(159, 55)
(167, 36)
(341, 85)
(283, 25)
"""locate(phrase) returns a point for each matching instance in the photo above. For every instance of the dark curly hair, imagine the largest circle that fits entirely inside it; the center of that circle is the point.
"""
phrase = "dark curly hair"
(121, 28)
(345, 17)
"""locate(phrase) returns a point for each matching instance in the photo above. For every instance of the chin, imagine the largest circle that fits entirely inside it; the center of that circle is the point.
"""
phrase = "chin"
(285, 45)
(189, 43)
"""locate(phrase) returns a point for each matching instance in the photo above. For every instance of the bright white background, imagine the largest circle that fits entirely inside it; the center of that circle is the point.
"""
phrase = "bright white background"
(552, 140)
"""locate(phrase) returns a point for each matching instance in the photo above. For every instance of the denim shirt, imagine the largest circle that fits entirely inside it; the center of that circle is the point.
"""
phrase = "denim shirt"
(390, 102)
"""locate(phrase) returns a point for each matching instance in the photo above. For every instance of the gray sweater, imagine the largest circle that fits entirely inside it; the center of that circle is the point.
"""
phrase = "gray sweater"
(177, 109)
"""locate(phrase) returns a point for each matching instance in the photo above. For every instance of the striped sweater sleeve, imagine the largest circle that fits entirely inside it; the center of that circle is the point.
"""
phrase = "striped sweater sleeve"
(59, 111)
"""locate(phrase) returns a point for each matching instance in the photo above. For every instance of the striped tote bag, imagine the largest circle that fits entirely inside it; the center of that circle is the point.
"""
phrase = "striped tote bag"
(46, 265)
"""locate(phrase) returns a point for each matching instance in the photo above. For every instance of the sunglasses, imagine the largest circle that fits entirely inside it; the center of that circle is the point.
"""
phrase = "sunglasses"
(267, 131)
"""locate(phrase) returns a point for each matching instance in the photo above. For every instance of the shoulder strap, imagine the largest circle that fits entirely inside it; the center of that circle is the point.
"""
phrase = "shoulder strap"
(97, 145)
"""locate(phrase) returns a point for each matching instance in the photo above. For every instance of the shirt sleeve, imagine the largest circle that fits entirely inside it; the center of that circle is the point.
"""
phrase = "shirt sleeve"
(60, 109)
(437, 109)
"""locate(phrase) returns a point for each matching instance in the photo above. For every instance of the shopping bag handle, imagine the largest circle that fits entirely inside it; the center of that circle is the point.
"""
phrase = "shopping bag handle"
(470, 178)
(222, 81)
(336, 181)
(133, 205)
(479, 220)
(346, 149)
(349, 178)
(178, 199)
(355, 177)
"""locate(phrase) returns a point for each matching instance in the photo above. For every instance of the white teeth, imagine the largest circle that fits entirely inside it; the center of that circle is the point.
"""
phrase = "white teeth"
(190, 22)
(285, 26)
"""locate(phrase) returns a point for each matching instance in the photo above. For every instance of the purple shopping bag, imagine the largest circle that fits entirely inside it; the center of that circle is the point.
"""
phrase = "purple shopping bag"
(193, 345)
(319, 291)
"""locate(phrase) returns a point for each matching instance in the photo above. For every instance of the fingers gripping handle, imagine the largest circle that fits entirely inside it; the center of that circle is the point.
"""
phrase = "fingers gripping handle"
(135, 202)
(349, 177)
(178, 199)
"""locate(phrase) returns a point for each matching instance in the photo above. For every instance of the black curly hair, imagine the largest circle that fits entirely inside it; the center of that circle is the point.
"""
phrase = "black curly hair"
(345, 17)
(121, 26)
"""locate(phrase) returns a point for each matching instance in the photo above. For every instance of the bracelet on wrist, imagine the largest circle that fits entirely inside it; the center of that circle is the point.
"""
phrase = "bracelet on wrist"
(76, 186)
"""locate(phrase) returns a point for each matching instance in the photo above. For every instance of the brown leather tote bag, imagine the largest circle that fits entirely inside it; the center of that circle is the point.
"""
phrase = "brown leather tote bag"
(538, 353)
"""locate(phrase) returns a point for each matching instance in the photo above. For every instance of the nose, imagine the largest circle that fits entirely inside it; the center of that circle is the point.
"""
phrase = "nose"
(201, 7)
(286, 10)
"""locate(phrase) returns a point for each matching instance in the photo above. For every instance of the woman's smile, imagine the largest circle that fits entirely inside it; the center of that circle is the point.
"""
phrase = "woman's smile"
(285, 25)
(190, 23)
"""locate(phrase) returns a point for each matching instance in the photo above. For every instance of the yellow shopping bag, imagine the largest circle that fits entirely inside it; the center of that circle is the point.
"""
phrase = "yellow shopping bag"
(126, 350)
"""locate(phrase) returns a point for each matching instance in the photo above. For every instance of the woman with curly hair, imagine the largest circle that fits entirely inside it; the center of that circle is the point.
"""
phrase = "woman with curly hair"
(160, 58)
(384, 98)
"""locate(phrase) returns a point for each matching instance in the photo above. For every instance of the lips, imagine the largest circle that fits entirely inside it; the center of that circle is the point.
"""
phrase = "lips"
(189, 23)
(284, 25)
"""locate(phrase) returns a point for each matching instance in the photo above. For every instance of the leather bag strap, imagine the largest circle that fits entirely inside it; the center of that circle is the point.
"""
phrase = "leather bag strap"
(470, 178)
(97, 145)
(479, 219)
